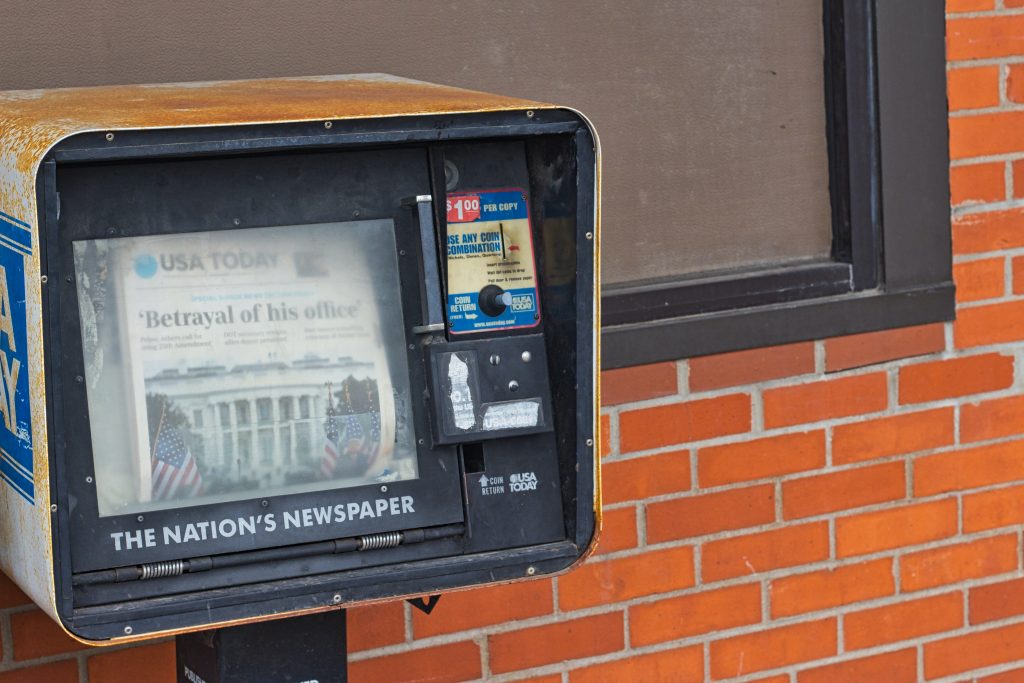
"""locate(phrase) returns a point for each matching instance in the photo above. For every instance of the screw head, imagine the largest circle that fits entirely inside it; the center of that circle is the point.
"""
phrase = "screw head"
(140, 518)
(264, 503)
(53, 508)
(590, 442)
(79, 379)
(530, 114)
(530, 571)
(495, 359)
(88, 480)
(336, 599)
(109, 137)
(328, 124)
(590, 235)
(384, 489)
(527, 356)
(513, 386)
(127, 630)
(43, 279)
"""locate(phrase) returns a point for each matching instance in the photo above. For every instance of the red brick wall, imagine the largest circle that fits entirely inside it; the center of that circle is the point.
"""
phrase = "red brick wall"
(840, 510)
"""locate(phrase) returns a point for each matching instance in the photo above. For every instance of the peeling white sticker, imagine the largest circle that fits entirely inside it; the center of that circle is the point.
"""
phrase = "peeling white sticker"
(511, 415)
(462, 399)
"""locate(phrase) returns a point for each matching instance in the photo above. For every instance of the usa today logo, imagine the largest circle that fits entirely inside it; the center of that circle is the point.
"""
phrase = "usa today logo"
(145, 265)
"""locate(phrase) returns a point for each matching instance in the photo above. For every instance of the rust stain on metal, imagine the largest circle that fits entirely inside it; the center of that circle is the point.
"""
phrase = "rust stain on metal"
(56, 113)
(226, 102)
(32, 121)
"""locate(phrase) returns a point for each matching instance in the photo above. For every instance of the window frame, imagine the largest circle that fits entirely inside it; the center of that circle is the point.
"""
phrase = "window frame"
(891, 266)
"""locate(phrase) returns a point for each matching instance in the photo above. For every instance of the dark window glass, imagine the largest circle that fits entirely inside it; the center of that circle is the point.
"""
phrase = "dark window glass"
(242, 412)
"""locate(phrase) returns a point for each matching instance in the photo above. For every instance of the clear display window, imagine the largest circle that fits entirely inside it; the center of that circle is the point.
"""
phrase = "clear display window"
(246, 363)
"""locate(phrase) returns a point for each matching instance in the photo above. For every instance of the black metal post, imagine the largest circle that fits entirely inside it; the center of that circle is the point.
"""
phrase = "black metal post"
(306, 649)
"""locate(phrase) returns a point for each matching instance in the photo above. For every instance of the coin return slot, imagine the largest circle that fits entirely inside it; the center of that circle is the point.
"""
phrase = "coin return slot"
(473, 457)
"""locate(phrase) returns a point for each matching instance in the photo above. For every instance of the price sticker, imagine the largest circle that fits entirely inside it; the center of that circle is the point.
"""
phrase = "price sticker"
(492, 282)
(463, 208)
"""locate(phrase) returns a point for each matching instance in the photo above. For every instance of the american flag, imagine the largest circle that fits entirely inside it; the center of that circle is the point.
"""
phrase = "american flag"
(355, 439)
(175, 474)
(329, 460)
(372, 446)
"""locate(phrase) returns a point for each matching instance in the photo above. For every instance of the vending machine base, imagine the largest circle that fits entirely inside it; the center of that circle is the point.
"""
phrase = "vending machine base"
(295, 650)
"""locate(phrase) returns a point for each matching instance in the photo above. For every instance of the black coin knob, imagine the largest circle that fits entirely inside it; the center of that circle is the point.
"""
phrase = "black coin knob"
(494, 300)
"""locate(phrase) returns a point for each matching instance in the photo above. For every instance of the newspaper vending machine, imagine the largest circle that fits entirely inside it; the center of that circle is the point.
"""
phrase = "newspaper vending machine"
(278, 347)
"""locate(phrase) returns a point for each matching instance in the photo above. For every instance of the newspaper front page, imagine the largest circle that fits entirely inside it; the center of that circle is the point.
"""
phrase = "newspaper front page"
(225, 365)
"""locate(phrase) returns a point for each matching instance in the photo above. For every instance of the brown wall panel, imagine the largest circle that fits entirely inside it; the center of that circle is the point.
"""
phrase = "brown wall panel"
(711, 113)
